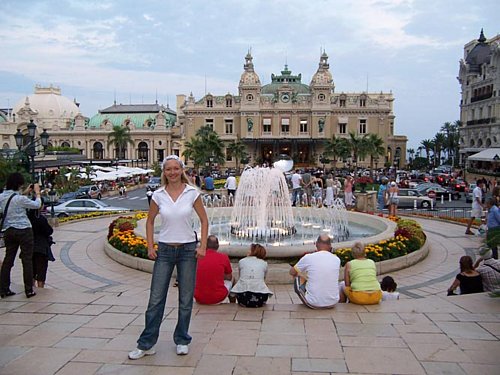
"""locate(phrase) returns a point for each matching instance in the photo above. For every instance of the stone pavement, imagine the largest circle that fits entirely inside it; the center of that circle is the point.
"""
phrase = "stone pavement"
(92, 311)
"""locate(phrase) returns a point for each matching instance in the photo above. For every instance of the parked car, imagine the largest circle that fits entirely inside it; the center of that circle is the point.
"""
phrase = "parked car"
(89, 191)
(459, 184)
(407, 198)
(80, 206)
(66, 197)
(153, 183)
(441, 191)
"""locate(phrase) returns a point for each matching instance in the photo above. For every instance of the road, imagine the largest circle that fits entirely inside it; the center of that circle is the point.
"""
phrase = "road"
(135, 200)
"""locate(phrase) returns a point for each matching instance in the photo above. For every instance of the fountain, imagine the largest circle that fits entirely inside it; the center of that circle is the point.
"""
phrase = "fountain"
(262, 213)
(262, 209)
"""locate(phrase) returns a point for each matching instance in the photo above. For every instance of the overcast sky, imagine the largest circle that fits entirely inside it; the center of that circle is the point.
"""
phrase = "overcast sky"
(140, 50)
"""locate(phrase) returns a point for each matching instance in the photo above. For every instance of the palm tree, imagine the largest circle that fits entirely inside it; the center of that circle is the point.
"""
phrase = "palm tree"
(120, 138)
(428, 145)
(374, 147)
(411, 152)
(336, 148)
(357, 148)
(238, 150)
(439, 142)
(205, 147)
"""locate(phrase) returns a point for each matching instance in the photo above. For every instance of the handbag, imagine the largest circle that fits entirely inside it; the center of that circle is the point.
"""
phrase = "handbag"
(4, 213)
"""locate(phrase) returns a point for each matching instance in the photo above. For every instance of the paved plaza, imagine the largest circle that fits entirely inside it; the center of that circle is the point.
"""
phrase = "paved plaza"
(92, 312)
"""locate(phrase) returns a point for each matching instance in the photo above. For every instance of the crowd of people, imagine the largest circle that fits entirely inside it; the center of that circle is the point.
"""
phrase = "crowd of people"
(205, 275)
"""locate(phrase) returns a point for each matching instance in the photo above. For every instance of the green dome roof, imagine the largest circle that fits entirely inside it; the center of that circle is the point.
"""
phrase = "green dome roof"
(286, 78)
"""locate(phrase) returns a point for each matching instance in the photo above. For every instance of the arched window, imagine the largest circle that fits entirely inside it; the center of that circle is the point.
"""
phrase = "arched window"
(472, 143)
(6, 146)
(65, 144)
(142, 151)
(479, 142)
(98, 151)
(488, 142)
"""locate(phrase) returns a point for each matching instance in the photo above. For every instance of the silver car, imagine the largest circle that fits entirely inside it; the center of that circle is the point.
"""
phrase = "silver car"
(410, 197)
(81, 206)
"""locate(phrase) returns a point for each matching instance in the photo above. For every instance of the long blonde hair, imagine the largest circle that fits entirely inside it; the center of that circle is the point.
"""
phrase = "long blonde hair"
(184, 177)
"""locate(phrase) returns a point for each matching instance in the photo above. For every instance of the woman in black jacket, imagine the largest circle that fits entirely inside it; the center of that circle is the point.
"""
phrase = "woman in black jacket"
(42, 232)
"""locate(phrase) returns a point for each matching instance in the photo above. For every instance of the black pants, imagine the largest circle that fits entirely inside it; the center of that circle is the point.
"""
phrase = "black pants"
(15, 239)
(251, 299)
(40, 266)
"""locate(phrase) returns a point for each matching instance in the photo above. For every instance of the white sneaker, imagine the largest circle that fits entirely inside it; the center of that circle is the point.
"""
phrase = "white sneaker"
(182, 349)
(139, 353)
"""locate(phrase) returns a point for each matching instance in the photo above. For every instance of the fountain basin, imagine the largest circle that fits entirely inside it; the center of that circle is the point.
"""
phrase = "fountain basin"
(291, 247)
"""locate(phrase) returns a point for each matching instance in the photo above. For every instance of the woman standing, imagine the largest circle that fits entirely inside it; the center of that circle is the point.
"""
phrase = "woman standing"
(329, 197)
(251, 289)
(393, 199)
(381, 195)
(18, 233)
(42, 253)
(177, 247)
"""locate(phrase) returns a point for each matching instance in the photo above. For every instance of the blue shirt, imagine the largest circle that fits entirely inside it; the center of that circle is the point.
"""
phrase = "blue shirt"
(209, 183)
(493, 217)
(16, 216)
(381, 190)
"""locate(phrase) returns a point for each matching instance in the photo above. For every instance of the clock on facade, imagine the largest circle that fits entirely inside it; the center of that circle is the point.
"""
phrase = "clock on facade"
(285, 97)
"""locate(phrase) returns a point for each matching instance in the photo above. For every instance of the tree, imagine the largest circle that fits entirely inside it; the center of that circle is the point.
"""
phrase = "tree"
(336, 148)
(411, 152)
(238, 150)
(439, 142)
(428, 145)
(357, 148)
(205, 147)
(374, 147)
(120, 138)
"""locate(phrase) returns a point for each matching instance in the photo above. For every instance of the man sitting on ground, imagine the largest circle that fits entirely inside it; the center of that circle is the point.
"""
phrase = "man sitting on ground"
(214, 275)
(317, 276)
(489, 270)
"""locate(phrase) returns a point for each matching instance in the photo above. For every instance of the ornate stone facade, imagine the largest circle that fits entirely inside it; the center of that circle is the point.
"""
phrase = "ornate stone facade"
(289, 117)
(152, 127)
(479, 79)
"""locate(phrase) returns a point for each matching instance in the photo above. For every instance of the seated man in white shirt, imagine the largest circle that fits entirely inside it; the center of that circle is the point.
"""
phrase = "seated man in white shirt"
(320, 269)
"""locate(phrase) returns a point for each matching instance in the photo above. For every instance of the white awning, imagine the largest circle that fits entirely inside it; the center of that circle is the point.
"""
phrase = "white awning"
(490, 154)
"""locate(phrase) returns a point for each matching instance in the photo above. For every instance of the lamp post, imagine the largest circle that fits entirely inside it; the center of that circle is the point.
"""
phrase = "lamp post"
(52, 200)
(30, 149)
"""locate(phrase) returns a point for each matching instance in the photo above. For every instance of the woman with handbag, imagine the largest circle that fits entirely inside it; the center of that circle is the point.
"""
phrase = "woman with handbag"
(18, 232)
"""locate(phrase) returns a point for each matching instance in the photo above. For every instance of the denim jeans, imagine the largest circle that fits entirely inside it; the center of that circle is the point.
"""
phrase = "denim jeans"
(296, 194)
(184, 258)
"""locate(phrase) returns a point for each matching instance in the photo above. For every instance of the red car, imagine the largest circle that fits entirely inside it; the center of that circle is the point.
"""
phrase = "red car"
(459, 185)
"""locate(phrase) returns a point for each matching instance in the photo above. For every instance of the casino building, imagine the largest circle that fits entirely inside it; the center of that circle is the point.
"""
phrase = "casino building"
(287, 116)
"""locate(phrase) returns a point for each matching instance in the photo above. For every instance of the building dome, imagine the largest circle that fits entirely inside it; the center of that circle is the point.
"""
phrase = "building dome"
(49, 104)
(322, 77)
(479, 55)
(286, 79)
(249, 77)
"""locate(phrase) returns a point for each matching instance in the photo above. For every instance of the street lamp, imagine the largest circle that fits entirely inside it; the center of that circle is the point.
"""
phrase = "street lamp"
(52, 200)
(30, 149)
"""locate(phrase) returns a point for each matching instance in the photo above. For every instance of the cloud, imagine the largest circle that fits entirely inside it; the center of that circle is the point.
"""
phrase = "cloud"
(147, 17)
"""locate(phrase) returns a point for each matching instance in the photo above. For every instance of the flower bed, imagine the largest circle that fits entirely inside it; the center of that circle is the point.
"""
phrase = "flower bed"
(121, 236)
(86, 216)
(408, 238)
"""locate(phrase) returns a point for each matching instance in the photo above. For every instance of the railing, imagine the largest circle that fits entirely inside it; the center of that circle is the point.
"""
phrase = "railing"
(437, 212)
